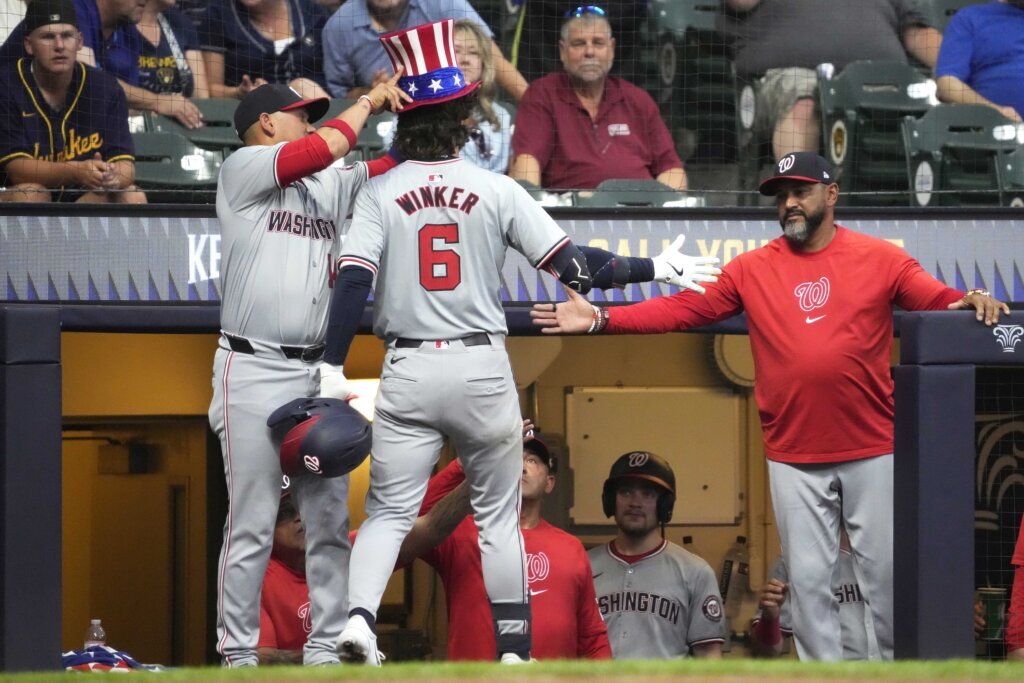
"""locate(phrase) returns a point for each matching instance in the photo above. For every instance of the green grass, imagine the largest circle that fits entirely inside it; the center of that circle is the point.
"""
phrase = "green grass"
(734, 669)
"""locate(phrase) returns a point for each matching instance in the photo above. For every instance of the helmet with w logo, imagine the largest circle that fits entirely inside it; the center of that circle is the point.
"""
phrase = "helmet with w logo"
(648, 467)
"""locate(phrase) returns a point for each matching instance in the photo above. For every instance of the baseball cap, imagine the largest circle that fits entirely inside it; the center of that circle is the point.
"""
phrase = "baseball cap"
(537, 446)
(44, 12)
(806, 166)
(271, 98)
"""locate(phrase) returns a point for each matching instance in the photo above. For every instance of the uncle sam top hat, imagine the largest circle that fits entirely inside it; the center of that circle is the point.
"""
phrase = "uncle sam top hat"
(427, 54)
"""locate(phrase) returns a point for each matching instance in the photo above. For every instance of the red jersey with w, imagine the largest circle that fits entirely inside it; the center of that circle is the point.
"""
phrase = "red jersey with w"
(821, 334)
(285, 621)
(566, 621)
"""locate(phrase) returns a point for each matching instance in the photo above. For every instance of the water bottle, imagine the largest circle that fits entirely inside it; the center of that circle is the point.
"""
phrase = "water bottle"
(735, 580)
(95, 635)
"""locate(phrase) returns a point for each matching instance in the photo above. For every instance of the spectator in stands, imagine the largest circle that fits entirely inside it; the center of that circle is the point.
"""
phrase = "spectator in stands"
(170, 60)
(285, 619)
(247, 43)
(111, 42)
(49, 90)
(11, 14)
(781, 42)
(577, 127)
(537, 52)
(491, 126)
(982, 57)
(566, 622)
(355, 60)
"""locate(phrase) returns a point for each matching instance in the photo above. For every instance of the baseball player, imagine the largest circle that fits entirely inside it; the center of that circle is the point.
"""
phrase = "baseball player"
(819, 305)
(658, 600)
(435, 232)
(280, 205)
(774, 620)
(566, 622)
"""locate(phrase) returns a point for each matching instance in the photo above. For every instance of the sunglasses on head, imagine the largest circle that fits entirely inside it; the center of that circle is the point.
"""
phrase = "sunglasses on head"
(584, 10)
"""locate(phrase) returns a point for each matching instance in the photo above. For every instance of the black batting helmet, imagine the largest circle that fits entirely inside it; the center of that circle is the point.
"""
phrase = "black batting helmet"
(646, 466)
(326, 436)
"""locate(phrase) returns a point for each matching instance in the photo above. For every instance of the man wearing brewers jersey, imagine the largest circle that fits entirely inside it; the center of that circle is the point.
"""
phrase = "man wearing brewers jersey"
(435, 233)
(280, 204)
(658, 600)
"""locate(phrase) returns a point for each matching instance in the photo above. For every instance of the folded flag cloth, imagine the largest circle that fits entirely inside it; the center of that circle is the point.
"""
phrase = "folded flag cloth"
(102, 658)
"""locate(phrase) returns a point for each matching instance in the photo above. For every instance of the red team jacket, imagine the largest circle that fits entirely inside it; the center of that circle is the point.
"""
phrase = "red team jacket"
(285, 621)
(566, 621)
(1015, 614)
(821, 335)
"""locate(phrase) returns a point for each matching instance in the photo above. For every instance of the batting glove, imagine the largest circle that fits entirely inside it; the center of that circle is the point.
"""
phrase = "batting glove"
(333, 383)
(676, 268)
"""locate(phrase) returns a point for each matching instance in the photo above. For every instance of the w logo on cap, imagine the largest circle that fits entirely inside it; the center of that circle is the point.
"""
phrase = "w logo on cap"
(639, 459)
(786, 163)
(426, 55)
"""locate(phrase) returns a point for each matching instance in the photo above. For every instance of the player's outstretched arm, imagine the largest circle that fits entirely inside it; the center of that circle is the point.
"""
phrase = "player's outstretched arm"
(987, 306)
(670, 266)
(575, 316)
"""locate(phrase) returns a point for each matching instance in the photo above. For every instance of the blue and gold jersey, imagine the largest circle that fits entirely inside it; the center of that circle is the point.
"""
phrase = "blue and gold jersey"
(94, 118)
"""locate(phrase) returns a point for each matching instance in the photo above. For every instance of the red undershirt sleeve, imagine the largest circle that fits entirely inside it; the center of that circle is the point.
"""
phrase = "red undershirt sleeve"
(301, 158)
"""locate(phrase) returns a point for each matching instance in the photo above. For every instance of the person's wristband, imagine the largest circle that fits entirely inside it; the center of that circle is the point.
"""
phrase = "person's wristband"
(344, 129)
(369, 102)
(600, 320)
(980, 292)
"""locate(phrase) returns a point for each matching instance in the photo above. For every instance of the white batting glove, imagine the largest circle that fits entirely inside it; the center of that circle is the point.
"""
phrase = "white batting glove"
(333, 383)
(676, 268)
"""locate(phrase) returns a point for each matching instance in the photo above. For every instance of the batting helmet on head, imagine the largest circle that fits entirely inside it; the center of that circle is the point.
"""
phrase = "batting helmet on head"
(646, 466)
(327, 436)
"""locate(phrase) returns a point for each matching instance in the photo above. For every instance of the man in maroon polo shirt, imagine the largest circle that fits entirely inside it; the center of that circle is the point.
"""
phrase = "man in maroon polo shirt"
(579, 127)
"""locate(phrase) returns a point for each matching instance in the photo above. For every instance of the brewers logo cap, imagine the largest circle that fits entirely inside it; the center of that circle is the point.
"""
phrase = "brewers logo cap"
(426, 53)
(274, 97)
(806, 166)
(45, 12)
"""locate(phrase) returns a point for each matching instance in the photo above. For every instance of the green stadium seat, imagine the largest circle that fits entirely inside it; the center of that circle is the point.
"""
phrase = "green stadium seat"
(625, 192)
(861, 111)
(958, 154)
(939, 12)
(1013, 179)
(217, 135)
(172, 169)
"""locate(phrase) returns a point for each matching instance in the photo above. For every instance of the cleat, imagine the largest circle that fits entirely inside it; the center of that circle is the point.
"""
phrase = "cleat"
(357, 644)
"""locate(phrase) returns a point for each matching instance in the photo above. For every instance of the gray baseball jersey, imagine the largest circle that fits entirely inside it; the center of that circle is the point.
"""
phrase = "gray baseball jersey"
(438, 234)
(858, 632)
(657, 607)
(279, 247)
(435, 234)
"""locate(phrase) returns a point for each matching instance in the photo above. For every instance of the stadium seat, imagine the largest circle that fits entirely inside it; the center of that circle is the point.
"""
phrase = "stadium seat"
(861, 110)
(696, 85)
(939, 12)
(1013, 179)
(958, 154)
(616, 192)
(217, 135)
(172, 169)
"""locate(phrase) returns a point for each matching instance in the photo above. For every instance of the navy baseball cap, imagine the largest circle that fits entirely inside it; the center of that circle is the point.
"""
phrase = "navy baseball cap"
(44, 12)
(537, 446)
(271, 98)
(806, 166)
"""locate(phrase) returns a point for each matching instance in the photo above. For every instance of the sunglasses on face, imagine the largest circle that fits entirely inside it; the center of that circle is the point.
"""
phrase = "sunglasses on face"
(584, 10)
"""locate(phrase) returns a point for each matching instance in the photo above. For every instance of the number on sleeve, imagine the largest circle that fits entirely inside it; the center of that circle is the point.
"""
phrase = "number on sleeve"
(440, 265)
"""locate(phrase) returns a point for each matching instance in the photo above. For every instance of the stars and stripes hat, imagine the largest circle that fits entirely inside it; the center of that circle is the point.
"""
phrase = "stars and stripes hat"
(427, 54)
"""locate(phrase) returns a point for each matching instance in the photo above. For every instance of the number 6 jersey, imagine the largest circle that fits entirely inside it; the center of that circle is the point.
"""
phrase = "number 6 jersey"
(446, 226)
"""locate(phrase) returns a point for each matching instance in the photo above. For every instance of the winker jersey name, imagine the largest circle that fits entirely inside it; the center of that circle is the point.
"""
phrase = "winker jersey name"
(658, 605)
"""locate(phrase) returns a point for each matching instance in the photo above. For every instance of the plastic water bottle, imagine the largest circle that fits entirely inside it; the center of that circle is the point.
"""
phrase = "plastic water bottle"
(735, 580)
(95, 635)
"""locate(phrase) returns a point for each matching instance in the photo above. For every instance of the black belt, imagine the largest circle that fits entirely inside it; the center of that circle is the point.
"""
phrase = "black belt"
(307, 354)
(478, 339)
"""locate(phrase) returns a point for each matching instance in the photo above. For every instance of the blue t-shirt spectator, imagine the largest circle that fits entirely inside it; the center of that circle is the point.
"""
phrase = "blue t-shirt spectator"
(162, 68)
(117, 55)
(227, 28)
(352, 49)
(94, 118)
(983, 46)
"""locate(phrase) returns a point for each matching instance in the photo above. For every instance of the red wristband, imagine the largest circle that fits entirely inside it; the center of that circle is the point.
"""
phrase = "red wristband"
(768, 631)
(344, 129)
